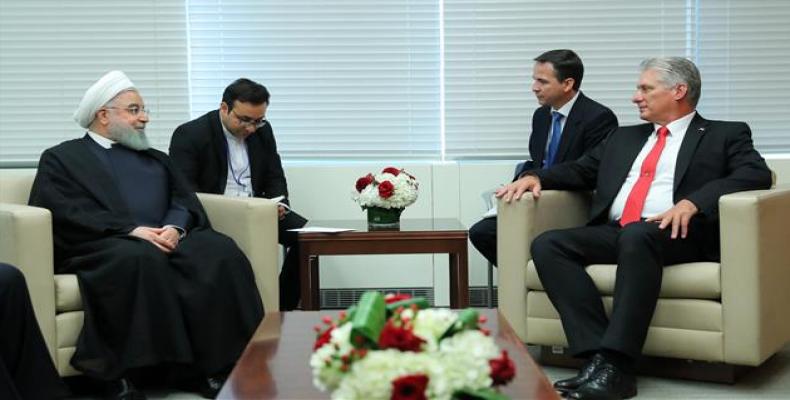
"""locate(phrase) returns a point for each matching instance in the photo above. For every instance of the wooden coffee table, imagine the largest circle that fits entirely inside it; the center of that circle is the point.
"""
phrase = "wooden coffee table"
(414, 236)
(275, 363)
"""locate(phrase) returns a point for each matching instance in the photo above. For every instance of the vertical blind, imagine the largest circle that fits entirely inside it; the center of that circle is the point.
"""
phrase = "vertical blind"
(743, 52)
(51, 51)
(490, 50)
(376, 79)
(352, 79)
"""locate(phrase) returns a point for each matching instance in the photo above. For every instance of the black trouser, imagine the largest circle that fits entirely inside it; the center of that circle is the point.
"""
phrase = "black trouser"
(640, 250)
(483, 237)
(289, 275)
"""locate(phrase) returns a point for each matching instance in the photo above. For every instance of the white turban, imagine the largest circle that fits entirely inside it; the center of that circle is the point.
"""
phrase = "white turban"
(107, 87)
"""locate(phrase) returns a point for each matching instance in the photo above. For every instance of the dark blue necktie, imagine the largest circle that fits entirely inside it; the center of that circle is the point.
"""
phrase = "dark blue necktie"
(554, 144)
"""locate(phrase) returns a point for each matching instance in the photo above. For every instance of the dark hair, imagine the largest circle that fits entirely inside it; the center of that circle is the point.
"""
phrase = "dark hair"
(245, 91)
(566, 65)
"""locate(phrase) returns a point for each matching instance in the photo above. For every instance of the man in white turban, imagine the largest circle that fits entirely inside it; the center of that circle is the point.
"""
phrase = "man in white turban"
(158, 285)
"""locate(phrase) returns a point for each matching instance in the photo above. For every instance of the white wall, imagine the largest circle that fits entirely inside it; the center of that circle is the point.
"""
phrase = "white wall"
(447, 190)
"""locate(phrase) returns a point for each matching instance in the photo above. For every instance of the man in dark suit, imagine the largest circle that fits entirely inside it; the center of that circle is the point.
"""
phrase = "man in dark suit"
(232, 151)
(567, 125)
(657, 188)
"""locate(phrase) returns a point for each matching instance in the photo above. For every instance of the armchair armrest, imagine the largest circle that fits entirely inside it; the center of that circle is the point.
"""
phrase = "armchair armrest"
(518, 223)
(755, 271)
(26, 242)
(252, 224)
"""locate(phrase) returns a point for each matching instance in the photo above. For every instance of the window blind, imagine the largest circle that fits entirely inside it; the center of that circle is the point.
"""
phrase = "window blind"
(350, 79)
(490, 47)
(743, 52)
(52, 51)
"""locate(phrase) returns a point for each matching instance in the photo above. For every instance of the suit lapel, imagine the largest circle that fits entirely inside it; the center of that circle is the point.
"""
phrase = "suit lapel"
(220, 145)
(626, 155)
(542, 133)
(571, 128)
(254, 142)
(691, 140)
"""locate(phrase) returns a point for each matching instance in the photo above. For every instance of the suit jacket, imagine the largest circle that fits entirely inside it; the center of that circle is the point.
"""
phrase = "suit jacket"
(199, 149)
(587, 124)
(715, 158)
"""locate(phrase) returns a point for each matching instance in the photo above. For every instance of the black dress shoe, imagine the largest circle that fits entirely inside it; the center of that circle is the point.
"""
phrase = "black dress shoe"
(585, 373)
(123, 389)
(608, 383)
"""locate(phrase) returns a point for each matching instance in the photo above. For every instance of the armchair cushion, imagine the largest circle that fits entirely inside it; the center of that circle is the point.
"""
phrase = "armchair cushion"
(699, 280)
(67, 293)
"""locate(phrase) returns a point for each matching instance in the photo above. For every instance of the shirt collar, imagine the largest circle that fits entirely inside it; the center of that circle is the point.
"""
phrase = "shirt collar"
(565, 110)
(101, 140)
(679, 125)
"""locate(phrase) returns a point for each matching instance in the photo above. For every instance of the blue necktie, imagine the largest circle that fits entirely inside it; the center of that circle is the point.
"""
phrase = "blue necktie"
(554, 145)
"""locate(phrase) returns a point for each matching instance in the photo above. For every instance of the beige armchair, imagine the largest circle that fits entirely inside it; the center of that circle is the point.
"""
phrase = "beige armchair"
(26, 242)
(732, 312)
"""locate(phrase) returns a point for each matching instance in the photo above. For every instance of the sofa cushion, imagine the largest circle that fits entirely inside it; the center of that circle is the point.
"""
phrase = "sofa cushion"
(67, 293)
(699, 280)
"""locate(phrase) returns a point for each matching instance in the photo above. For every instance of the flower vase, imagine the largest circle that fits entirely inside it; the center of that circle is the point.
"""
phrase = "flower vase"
(384, 218)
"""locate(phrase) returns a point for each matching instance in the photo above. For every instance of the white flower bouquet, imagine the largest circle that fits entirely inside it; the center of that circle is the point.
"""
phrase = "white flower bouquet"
(392, 188)
(395, 348)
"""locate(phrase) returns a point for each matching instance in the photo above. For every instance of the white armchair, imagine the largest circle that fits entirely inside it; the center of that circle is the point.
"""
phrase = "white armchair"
(731, 312)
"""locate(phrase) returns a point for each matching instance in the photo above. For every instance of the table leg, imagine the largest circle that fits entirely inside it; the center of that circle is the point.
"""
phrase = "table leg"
(459, 279)
(305, 281)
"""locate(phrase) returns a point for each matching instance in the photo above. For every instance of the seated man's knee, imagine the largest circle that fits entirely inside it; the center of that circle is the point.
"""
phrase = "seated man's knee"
(543, 245)
(10, 276)
(482, 232)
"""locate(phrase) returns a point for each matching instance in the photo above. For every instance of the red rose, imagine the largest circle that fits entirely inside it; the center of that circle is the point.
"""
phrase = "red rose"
(394, 298)
(391, 170)
(386, 189)
(409, 387)
(502, 369)
(364, 181)
(398, 337)
(323, 338)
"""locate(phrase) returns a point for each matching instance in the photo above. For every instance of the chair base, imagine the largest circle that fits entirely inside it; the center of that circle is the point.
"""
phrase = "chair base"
(674, 368)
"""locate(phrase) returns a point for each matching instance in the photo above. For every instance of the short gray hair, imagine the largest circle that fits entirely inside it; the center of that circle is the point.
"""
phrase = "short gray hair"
(675, 70)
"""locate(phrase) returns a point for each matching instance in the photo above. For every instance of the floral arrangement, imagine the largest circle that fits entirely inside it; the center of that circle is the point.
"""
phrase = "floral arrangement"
(394, 347)
(391, 188)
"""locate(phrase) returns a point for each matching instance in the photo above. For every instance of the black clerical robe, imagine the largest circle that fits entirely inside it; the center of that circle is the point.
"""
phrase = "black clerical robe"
(26, 369)
(198, 305)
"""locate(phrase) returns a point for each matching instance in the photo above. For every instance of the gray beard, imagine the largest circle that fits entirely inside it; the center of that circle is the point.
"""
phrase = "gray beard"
(128, 136)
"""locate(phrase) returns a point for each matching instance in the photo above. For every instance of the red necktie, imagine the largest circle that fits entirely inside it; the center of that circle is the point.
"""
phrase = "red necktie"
(632, 211)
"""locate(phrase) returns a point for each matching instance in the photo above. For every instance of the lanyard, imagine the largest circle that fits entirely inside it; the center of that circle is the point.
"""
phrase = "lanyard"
(236, 178)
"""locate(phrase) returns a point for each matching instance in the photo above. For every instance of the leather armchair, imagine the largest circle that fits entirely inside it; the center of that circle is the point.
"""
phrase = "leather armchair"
(26, 242)
(732, 312)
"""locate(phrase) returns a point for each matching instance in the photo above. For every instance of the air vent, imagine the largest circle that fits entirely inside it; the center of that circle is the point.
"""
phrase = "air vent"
(345, 297)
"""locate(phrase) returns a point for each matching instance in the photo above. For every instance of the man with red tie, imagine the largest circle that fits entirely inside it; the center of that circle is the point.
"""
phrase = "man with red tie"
(655, 203)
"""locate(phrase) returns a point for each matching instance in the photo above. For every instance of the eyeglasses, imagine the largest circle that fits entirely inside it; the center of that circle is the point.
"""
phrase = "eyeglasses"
(134, 110)
(246, 121)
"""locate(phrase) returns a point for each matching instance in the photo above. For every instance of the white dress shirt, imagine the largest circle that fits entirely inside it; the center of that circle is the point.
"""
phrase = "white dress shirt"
(239, 180)
(660, 195)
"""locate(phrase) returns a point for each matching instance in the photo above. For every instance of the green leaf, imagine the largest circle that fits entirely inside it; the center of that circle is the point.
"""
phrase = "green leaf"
(368, 320)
